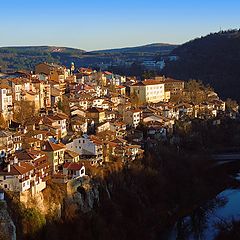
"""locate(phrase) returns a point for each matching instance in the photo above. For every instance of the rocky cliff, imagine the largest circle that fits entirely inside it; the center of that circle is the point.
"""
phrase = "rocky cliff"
(56, 204)
(7, 227)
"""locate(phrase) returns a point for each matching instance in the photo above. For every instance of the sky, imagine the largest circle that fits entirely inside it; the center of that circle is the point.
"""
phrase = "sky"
(103, 24)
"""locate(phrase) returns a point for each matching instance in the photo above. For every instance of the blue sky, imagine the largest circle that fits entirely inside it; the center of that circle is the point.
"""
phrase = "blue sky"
(101, 24)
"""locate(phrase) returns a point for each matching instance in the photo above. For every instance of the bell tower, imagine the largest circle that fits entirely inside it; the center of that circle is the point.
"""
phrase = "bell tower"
(72, 68)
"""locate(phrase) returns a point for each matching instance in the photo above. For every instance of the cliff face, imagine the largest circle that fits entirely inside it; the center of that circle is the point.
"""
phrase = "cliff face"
(56, 204)
(31, 213)
(83, 194)
(45, 205)
(7, 227)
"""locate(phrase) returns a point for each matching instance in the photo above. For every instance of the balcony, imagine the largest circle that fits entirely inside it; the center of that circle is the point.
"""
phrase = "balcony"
(24, 179)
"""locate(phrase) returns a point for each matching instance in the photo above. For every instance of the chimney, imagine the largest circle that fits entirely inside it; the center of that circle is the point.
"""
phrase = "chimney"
(8, 167)
(15, 160)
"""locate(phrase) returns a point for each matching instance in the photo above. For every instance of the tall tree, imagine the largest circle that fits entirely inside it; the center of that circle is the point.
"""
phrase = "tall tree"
(196, 92)
(231, 105)
(64, 105)
(3, 122)
(134, 99)
(23, 110)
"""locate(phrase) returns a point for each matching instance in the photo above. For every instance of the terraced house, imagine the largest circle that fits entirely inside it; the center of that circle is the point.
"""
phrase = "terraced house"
(56, 123)
(20, 176)
(55, 154)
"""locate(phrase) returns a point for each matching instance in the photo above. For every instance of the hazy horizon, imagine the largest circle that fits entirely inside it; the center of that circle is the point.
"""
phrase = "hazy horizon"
(105, 24)
(35, 45)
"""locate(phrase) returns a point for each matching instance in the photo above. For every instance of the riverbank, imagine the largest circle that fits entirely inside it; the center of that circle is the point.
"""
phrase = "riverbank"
(199, 220)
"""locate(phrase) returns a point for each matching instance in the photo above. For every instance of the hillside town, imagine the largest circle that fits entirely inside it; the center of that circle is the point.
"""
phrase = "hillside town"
(61, 124)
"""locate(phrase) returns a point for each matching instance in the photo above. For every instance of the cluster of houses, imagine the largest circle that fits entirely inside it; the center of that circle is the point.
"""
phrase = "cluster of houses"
(101, 122)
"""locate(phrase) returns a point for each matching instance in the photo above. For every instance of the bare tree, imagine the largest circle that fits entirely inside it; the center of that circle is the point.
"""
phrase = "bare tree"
(23, 110)
(3, 122)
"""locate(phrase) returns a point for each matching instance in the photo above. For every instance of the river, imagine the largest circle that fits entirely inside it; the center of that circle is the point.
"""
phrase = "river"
(203, 223)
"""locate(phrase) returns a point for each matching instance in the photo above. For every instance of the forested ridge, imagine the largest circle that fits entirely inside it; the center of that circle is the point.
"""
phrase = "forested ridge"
(213, 59)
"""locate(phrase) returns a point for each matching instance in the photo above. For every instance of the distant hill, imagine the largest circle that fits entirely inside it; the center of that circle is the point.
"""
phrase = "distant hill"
(150, 48)
(17, 58)
(27, 57)
(214, 59)
(40, 49)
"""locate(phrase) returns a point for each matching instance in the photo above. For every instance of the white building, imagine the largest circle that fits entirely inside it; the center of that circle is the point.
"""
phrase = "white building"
(87, 146)
(97, 102)
(154, 65)
(17, 87)
(73, 170)
(20, 177)
(6, 100)
(132, 117)
(148, 91)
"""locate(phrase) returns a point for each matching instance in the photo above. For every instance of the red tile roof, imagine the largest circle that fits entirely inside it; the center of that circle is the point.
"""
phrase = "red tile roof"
(73, 166)
(18, 169)
(120, 86)
(51, 147)
(107, 73)
(95, 110)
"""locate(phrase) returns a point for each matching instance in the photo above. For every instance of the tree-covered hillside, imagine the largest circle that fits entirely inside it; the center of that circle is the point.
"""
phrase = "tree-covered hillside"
(214, 59)
(17, 58)
(154, 48)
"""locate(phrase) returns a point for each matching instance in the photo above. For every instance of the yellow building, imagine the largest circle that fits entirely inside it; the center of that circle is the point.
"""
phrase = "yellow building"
(55, 154)
(148, 91)
(96, 114)
(43, 90)
(120, 89)
(172, 85)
